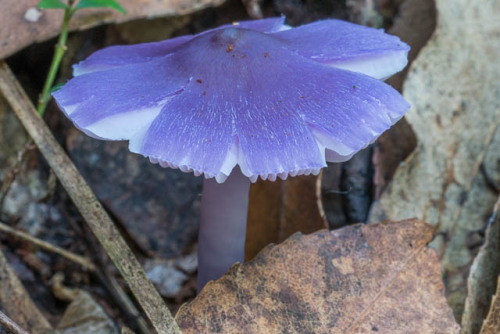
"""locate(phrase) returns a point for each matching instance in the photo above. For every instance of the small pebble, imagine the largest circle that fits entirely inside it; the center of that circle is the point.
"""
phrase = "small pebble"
(32, 15)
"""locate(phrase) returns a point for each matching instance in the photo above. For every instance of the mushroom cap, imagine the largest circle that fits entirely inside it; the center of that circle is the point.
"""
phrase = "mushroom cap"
(275, 100)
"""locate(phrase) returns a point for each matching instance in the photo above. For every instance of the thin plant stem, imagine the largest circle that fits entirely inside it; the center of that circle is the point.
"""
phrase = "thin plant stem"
(60, 49)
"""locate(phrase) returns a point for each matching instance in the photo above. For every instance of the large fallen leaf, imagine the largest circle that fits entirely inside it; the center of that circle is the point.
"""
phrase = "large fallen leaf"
(359, 279)
(453, 87)
(23, 24)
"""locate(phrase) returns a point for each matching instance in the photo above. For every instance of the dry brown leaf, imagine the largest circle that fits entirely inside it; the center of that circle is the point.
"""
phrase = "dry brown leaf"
(453, 89)
(17, 303)
(279, 209)
(358, 279)
(18, 31)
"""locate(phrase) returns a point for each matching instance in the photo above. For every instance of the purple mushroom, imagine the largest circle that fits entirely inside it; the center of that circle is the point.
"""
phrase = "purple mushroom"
(261, 96)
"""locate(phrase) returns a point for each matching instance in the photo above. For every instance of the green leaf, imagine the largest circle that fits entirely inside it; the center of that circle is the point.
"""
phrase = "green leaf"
(99, 3)
(52, 4)
(57, 87)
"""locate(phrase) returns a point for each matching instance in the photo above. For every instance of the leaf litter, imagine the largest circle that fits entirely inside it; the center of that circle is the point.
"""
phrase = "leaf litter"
(454, 91)
(481, 176)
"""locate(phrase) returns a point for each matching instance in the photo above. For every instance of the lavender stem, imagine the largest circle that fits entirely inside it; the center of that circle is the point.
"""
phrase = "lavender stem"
(221, 241)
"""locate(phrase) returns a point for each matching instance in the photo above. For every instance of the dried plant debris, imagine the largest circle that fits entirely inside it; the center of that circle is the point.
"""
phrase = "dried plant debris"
(83, 315)
(17, 303)
(279, 209)
(24, 24)
(359, 279)
(455, 122)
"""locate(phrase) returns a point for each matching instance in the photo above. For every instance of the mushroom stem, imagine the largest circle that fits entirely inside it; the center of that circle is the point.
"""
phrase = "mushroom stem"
(223, 223)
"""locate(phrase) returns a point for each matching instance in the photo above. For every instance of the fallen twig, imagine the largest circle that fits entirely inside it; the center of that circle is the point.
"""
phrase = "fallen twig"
(11, 325)
(88, 205)
(48, 246)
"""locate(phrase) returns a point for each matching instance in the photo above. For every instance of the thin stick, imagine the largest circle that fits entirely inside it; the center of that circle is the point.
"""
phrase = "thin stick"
(88, 205)
(48, 246)
(11, 325)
